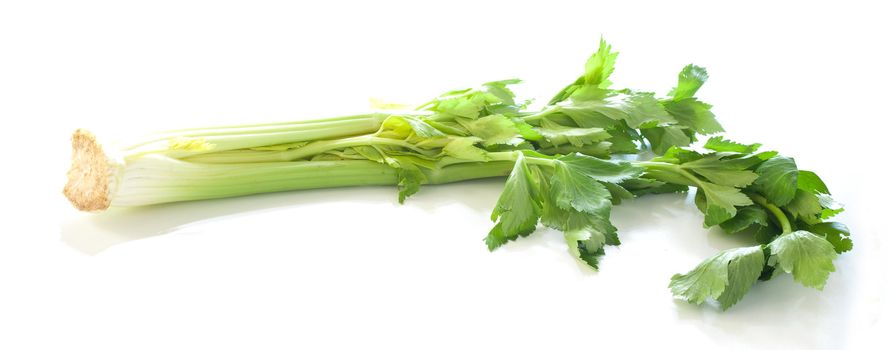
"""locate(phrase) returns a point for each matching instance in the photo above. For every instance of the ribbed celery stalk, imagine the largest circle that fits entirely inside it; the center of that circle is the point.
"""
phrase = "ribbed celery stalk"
(154, 180)
(246, 136)
(99, 177)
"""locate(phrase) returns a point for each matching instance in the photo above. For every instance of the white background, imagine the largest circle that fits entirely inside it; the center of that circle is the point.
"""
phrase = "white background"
(350, 268)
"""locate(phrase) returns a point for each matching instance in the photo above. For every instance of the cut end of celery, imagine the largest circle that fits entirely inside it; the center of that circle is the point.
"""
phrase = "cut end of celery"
(91, 176)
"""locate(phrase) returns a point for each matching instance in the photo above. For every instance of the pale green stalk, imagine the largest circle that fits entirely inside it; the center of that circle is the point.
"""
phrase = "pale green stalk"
(156, 179)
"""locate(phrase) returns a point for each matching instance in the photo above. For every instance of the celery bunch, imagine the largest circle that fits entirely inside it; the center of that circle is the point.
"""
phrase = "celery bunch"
(557, 159)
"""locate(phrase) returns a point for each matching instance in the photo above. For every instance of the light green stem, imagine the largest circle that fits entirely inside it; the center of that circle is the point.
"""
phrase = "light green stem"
(669, 172)
(304, 152)
(512, 156)
(777, 213)
(175, 181)
(248, 136)
(532, 118)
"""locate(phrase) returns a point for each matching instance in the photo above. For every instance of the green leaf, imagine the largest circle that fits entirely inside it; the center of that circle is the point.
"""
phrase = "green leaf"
(585, 233)
(642, 108)
(765, 234)
(518, 208)
(599, 149)
(409, 179)
(573, 190)
(501, 90)
(589, 104)
(777, 180)
(693, 114)
(691, 78)
(678, 155)
(727, 161)
(596, 71)
(526, 131)
(719, 144)
(726, 277)
(400, 126)
(621, 142)
(421, 128)
(558, 135)
(408, 173)
(807, 256)
(586, 219)
(464, 148)
(466, 108)
(746, 161)
(594, 113)
(746, 216)
(591, 257)
(721, 202)
(743, 272)
(494, 129)
(643, 186)
(600, 65)
(661, 139)
(768, 271)
(728, 177)
(588, 99)
(497, 238)
(805, 206)
(449, 127)
(701, 201)
(834, 232)
(618, 192)
(472, 103)
(831, 206)
(685, 108)
(669, 176)
(721, 172)
(591, 231)
(572, 238)
(810, 182)
(598, 169)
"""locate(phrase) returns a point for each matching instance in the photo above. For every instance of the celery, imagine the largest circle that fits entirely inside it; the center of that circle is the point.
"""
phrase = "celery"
(557, 159)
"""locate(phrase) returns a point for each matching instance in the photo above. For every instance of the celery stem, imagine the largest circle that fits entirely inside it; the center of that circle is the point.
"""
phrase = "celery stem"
(777, 213)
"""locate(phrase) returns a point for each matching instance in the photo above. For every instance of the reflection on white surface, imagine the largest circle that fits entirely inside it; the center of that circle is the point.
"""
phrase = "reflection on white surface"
(661, 235)
(92, 233)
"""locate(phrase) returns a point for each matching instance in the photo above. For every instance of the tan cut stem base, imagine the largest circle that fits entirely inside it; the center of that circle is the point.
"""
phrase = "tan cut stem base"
(88, 186)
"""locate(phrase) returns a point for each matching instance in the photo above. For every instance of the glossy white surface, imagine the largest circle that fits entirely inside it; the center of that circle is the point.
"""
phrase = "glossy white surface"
(349, 268)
